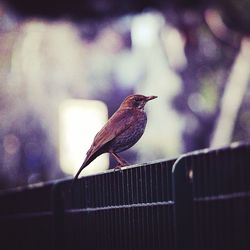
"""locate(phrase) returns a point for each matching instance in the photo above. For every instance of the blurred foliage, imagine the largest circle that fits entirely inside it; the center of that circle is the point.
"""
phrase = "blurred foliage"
(175, 54)
(235, 14)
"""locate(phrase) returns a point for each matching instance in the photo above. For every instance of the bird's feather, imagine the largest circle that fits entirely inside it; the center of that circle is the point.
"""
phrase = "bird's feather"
(116, 125)
(122, 130)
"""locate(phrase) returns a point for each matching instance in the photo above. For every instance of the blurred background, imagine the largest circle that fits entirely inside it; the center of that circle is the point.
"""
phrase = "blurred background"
(65, 67)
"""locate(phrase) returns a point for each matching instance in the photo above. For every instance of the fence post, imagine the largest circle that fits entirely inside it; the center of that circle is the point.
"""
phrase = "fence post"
(183, 210)
(58, 216)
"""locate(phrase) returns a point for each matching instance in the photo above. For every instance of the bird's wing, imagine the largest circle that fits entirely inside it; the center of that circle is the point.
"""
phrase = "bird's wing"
(117, 124)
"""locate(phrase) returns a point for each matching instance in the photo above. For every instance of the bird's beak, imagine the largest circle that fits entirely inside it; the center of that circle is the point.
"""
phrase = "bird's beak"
(149, 98)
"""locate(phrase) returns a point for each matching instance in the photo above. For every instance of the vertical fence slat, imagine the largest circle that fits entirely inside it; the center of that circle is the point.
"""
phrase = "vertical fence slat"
(201, 201)
(183, 211)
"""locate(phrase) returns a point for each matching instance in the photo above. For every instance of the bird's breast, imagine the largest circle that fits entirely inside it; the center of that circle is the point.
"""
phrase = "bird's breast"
(131, 135)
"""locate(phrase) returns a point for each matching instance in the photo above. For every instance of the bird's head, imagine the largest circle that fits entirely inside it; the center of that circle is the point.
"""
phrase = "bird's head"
(136, 101)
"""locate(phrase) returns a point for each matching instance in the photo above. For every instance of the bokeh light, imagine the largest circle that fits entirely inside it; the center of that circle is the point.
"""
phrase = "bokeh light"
(61, 79)
(79, 121)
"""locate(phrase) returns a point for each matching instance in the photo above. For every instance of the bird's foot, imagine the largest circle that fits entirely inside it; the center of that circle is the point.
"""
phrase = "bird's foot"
(120, 165)
(121, 162)
(118, 168)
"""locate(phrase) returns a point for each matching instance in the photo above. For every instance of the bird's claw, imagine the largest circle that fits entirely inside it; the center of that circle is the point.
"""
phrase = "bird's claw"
(118, 168)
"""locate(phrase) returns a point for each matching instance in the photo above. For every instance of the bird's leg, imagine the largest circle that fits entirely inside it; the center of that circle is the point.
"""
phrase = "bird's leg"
(121, 161)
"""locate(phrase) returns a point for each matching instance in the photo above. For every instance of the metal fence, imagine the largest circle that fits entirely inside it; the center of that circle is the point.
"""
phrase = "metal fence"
(196, 202)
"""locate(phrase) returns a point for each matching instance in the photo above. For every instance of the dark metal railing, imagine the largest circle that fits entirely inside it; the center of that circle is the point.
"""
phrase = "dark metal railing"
(122, 209)
(199, 201)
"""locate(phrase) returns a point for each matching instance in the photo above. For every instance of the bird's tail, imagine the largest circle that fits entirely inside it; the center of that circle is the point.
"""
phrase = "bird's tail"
(85, 163)
(91, 155)
(79, 171)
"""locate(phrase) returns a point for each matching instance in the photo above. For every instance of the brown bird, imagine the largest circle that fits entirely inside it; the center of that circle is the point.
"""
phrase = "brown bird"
(122, 131)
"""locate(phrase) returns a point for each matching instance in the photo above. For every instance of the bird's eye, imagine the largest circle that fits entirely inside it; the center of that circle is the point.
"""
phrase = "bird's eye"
(137, 103)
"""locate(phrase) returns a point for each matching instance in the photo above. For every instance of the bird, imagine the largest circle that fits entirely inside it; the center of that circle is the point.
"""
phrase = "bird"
(124, 128)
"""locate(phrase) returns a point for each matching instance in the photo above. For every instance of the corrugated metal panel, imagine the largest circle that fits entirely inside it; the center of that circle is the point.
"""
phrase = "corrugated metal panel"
(219, 191)
(200, 201)
(128, 209)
